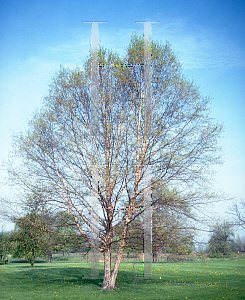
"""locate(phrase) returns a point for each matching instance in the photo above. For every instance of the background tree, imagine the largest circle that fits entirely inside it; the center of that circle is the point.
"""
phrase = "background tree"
(31, 237)
(42, 230)
(4, 247)
(221, 239)
(171, 231)
(65, 235)
(172, 222)
(171, 234)
(58, 150)
(28, 241)
(238, 244)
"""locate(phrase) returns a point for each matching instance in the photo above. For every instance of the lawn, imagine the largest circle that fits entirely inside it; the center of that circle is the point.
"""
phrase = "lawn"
(210, 279)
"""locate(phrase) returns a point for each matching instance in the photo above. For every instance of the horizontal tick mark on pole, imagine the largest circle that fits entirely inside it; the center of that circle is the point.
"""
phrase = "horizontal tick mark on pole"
(147, 22)
(95, 22)
(122, 65)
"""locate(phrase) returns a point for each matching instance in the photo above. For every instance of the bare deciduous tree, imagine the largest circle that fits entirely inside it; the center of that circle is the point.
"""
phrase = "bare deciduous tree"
(58, 150)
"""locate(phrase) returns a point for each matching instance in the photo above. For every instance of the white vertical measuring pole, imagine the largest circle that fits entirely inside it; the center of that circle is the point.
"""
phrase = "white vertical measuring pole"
(147, 168)
(147, 178)
(147, 77)
(94, 123)
(94, 221)
(147, 224)
(94, 108)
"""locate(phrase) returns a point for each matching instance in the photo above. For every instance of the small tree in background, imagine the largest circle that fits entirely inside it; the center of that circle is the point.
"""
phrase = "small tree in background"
(42, 231)
(221, 239)
(29, 241)
(65, 234)
(171, 228)
(238, 245)
(171, 231)
(4, 247)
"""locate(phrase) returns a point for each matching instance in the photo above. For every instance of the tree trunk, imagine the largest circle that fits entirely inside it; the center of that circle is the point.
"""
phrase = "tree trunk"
(49, 257)
(107, 269)
(33, 256)
(112, 284)
(63, 253)
(155, 255)
(128, 254)
(113, 278)
(110, 278)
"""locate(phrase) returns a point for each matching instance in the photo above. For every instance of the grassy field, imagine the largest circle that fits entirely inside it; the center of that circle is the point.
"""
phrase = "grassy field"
(210, 279)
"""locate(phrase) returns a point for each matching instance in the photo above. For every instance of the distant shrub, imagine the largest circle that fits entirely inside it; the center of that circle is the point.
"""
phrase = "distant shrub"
(176, 258)
(215, 255)
(60, 258)
(219, 255)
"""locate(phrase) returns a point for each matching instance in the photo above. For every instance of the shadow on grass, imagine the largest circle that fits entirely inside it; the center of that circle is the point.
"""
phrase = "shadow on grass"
(21, 260)
(68, 273)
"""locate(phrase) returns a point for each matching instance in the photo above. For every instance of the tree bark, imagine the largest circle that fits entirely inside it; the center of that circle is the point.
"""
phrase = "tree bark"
(49, 257)
(155, 255)
(113, 278)
(33, 256)
(107, 269)
(110, 278)
(112, 283)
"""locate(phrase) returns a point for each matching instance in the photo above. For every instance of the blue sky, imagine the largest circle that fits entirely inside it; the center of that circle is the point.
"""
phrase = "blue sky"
(208, 38)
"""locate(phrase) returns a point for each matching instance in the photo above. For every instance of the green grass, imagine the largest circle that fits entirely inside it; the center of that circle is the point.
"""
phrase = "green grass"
(212, 279)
